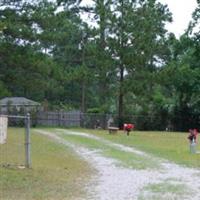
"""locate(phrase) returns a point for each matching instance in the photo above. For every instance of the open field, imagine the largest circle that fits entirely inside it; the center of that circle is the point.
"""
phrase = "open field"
(126, 172)
(173, 146)
(82, 164)
(57, 173)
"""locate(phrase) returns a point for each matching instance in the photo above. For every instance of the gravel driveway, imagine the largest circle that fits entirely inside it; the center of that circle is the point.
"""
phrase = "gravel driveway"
(115, 182)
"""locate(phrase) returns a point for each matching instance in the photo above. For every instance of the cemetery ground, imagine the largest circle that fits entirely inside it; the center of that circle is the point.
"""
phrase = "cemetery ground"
(82, 164)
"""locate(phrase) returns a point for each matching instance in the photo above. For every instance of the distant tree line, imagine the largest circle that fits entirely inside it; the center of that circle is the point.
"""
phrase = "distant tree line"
(121, 61)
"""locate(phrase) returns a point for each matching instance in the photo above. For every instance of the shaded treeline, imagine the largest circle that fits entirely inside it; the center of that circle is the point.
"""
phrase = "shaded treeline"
(121, 61)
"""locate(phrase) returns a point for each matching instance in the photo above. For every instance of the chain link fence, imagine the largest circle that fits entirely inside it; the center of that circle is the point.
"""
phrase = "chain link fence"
(15, 151)
(94, 120)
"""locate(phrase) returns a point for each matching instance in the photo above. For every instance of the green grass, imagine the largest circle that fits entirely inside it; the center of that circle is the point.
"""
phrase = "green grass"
(173, 146)
(126, 158)
(56, 173)
(13, 151)
(165, 190)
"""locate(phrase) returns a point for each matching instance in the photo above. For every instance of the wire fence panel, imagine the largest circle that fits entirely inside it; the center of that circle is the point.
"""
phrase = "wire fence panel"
(97, 120)
(12, 152)
(70, 119)
(66, 119)
(76, 118)
(16, 150)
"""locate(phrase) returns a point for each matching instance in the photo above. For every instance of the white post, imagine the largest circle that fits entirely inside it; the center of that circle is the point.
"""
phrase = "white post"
(3, 129)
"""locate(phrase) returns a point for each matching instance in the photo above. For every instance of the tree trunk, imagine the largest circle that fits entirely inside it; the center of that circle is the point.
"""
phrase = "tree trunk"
(121, 98)
(83, 97)
(121, 80)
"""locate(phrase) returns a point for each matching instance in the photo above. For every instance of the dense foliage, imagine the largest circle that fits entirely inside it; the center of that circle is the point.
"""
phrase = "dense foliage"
(120, 61)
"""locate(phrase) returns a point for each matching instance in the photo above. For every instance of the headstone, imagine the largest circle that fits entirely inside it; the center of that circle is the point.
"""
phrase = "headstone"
(193, 147)
(3, 129)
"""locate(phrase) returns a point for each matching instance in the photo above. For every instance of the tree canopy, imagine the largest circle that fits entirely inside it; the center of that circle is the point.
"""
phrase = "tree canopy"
(120, 61)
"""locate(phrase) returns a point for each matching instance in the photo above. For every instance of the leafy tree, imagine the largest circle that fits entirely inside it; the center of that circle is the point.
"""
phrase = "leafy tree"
(101, 56)
(180, 78)
(24, 68)
(137, 42)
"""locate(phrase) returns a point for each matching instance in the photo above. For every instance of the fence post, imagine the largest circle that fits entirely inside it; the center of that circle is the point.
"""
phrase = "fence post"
(27, 142)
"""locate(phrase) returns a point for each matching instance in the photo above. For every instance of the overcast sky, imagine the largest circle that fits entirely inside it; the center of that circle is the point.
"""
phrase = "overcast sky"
(182, 14)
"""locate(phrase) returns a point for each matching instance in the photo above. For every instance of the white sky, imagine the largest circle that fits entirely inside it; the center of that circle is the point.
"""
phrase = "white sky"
(182, 14)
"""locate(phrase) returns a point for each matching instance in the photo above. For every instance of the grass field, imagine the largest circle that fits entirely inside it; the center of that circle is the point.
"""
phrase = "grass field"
(127, 159)
(173, 146)
(57, 173)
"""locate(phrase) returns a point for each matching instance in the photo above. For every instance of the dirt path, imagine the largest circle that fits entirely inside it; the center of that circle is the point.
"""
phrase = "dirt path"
(114, 182)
